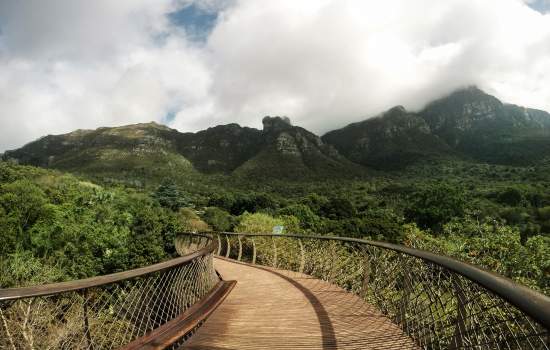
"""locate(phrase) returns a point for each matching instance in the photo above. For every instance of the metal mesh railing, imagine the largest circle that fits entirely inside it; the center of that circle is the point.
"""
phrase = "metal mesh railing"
(438, 302)
(107, 312)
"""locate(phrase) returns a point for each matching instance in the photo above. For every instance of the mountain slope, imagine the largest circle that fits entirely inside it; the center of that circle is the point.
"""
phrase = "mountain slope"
(141, 148)
(482, 127)
(222, 148)
(291, 151)
(391, 140)
(145, 150)
(468, 123)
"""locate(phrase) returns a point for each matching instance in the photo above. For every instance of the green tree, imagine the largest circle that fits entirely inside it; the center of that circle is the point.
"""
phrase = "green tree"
(145, 243)
(511, 196)
(170, 196)
(307, 218)
(338, 208)
(219, 219)
(24, 203)
(257, 223)
(436, 205)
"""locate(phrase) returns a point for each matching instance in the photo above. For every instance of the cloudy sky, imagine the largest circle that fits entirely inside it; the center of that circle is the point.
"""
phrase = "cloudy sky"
(69, 64)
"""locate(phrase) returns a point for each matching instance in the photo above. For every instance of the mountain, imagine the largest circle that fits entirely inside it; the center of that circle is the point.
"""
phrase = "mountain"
(391, 140)
(151, 149)
(480, 126)
(147, 149)
(293, 151)
(468, 123)
(222, 148)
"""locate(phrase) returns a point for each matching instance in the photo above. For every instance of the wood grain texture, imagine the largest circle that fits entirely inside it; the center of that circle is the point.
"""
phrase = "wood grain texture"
(278, 309)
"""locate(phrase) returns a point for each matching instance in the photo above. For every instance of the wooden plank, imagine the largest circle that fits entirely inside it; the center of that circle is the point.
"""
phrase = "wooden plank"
(278, 309)
(175, 329)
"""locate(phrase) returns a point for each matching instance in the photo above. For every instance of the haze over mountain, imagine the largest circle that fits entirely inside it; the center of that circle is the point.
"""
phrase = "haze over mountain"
(468, 124)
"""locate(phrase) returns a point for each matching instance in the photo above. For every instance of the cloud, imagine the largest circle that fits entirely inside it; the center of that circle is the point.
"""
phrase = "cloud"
(70, 64)
(82, 64)
(326, 63)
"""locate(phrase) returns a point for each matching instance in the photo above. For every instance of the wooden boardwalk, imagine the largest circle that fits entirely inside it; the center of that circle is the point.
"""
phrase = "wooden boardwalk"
(278, 309)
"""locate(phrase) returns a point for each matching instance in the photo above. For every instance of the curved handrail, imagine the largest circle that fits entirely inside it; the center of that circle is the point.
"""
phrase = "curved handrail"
(117, 309)
(438, 301)
(75, 285)
(534, 304)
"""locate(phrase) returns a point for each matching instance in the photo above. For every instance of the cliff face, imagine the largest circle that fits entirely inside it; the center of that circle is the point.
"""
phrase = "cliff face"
(289, 150)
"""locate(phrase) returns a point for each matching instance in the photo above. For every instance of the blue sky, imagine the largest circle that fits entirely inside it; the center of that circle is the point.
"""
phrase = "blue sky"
(197, 21)
(542, 6)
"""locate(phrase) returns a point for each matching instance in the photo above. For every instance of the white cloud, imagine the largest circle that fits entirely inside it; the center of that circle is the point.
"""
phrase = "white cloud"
(68, 64)
(326, 63)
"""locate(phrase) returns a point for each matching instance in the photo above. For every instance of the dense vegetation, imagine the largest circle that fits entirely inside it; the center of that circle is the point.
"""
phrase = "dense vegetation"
(467, 176)
(58, 226)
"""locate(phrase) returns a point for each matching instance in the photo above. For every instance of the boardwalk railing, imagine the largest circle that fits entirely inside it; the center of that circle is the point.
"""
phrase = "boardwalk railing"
(439, 302)
(160, 304)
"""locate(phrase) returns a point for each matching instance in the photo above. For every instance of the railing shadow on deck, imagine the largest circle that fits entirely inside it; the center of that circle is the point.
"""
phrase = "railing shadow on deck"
(439, 302)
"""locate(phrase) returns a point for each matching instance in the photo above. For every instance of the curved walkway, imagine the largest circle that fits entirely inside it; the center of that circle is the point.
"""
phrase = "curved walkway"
(278, 309)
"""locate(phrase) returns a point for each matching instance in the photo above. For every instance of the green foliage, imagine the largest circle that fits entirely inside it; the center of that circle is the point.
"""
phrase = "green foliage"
(219, 219)
(493, 246)
(146, 246)
(338, 208)
(22, 268)
(511, 196)
(191, 222)
(470, 211)
(257, 223)
(76, 229)
(307, 219)
(170, 196)
(434, 206)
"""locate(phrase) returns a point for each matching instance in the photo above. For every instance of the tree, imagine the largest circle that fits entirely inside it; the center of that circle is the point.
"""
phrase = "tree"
(307, 218)
(315, 202)
(511, 196)
(434, 206)
(190, 221)
(338, 208)
(24, 203)
(170, 196)
(257, 223)
(222, 200)
(145, 243)
(219, 219)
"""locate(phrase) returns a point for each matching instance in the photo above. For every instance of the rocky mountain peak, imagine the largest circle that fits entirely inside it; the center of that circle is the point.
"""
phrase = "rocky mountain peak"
(276, 124)
(397, 110)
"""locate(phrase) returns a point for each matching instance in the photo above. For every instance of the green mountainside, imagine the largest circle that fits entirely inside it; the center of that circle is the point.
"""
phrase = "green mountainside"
(392, 140)
(467, 125)
(153, 150)
(291, 151)
(146, 149)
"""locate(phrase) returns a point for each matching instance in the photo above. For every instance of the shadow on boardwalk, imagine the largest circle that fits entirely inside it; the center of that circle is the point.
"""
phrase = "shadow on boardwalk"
(279, 309)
